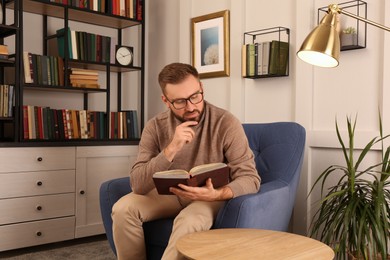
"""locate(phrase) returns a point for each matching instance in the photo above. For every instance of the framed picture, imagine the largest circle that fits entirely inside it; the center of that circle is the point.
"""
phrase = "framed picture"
(210, 44)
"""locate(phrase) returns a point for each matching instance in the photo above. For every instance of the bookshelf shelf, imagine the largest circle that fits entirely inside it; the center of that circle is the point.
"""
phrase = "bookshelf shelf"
(265, 53)
(13, 128)
(82, 15)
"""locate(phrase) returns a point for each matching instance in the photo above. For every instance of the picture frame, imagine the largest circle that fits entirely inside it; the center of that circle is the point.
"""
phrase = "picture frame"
(211, 44)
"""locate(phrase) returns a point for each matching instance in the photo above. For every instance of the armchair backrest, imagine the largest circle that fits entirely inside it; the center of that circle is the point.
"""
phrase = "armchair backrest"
(277, 147)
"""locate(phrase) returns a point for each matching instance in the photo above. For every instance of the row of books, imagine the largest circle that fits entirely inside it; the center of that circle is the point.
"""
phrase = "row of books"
(265, 58)
(60, 124)
(45, 123)
(7, 100)
(84, 46)
(43, 69)
(124, 125)
(127, 8)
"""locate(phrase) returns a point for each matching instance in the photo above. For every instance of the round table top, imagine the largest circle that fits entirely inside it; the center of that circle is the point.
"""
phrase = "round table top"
(241, 243)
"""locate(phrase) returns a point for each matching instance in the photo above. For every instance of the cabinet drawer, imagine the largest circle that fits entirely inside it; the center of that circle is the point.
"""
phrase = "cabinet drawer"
(36, 208)
(36, 233)
(37, 159)
(18, 184)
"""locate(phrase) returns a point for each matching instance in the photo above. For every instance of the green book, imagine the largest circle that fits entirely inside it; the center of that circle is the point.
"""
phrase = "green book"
(250, 66)
(61, 43)
(278, 58)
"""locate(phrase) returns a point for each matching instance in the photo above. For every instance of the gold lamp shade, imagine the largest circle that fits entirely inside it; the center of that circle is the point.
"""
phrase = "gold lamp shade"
(322, 46)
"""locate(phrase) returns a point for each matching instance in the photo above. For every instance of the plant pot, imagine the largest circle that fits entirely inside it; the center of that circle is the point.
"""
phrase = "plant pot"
(348, 39)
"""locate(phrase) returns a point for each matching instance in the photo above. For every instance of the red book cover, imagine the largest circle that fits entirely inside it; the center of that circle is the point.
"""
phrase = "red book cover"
(196, 177)
(25, 122)
(40, 123)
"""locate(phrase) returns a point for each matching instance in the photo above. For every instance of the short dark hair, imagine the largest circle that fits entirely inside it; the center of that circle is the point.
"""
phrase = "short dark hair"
(175, 73)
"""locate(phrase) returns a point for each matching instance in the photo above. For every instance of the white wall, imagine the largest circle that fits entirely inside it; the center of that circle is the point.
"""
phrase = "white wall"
(314, 97)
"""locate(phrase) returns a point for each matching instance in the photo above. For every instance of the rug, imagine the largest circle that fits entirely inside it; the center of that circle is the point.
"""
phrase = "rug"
(96, 248)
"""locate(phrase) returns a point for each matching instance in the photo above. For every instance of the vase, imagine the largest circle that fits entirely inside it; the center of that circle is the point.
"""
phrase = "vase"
(349, 39)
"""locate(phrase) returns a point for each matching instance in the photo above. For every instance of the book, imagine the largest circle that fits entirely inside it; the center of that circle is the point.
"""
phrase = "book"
(265, 56)
(196, 177)
(278, 58)
(243, 60)
(250, 60)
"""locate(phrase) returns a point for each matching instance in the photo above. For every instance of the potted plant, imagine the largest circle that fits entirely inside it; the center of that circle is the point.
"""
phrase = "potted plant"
(353, 215)
(348, 36)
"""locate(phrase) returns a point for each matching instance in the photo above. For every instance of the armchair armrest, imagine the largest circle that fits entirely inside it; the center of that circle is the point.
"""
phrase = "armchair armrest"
(267, 209)
(110, 192)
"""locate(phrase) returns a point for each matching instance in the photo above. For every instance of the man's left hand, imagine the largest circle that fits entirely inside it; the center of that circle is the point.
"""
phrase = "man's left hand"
(205, 193)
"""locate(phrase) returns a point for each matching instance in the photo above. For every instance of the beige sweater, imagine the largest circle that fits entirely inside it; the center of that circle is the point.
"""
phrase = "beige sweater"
(219, 137)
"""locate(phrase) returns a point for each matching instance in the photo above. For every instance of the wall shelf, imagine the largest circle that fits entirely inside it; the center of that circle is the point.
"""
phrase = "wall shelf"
(356, 40)
(265, 53)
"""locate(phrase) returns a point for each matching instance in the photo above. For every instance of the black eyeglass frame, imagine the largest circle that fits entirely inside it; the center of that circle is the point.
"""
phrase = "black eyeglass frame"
(186, 100)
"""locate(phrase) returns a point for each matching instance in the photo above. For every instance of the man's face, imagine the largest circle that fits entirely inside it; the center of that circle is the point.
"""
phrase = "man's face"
(190, 87)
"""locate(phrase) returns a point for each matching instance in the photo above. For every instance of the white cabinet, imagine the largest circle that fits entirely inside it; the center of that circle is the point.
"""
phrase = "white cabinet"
(50, 194)
(95, 165)
(37, 192)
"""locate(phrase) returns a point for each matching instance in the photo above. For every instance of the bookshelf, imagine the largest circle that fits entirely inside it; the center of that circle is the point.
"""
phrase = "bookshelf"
(265, 53)
(111, 86)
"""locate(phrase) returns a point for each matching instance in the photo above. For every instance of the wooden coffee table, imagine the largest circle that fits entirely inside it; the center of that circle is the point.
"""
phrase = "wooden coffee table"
(238, 243)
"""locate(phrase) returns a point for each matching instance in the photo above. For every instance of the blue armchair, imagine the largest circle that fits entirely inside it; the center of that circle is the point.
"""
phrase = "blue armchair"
(279, 151)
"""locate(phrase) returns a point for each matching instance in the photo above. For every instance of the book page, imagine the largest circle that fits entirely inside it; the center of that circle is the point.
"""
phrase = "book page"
(206, 167)
(177, 174)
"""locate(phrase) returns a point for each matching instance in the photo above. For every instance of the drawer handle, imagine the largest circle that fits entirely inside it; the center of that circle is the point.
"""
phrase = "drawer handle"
(39, 208)
(82, 192)
(39, 159)
(39, 183)
(39, 233)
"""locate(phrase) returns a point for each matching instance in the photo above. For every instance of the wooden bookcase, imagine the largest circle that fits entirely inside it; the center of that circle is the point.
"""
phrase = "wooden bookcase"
(11, 127)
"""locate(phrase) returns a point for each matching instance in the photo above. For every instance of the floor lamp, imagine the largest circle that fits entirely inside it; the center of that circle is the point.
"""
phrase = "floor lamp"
(322, 46)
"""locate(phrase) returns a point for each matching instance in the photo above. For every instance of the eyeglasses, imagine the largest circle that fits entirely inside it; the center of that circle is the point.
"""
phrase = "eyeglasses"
(181, 103)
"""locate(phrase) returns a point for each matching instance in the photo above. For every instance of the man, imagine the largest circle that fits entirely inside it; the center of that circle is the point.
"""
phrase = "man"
(191, 132)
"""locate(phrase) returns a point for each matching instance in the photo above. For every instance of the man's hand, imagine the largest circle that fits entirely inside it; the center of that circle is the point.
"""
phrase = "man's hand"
(205, 193)
(183, 134)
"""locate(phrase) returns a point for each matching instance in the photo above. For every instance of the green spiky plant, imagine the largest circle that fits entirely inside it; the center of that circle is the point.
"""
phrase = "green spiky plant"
(353, 215)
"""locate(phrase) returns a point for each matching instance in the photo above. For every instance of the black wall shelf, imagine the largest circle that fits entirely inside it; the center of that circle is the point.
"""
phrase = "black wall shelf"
(350, 41)
(270, 48)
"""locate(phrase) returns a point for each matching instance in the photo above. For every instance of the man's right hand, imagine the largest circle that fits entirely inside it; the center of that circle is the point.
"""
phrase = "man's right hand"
(184, 134)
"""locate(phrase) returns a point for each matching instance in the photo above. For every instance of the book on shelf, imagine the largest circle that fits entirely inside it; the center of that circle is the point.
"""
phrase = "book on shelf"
(124, 125)
(62, 124)
(250, 60)
(278, 58)
(243, 60)
(7, 100)
(196, 177)
(43, 70)
(4, 52)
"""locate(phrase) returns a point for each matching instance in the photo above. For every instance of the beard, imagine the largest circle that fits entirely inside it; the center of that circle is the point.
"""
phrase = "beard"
(193, 115)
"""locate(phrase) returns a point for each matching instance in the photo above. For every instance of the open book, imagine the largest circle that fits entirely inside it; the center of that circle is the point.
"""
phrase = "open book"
(196, 177)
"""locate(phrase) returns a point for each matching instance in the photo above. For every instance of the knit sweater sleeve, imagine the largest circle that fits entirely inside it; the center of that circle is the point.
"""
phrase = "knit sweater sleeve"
(150, 160)
(240, 158)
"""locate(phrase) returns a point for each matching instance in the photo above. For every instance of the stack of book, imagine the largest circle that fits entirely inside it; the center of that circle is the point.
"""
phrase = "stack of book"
(62, 124)
(7, 100)
(83, 78)
(265, 58)
(4, 52)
